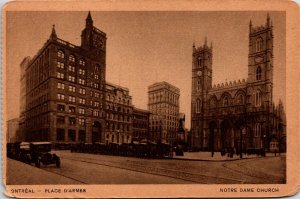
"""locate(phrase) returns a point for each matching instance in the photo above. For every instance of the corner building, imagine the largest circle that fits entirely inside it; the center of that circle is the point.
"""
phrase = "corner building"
(240, 113)
(164, 107)
(65, 89)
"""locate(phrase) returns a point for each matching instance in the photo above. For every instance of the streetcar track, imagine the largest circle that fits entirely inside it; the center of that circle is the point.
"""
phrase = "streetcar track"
(155, 173)
(249, 174)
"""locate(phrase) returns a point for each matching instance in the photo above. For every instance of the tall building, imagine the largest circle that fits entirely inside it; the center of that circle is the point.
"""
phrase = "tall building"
(119, 112)
(65, 89)
(164, 105)
(140, 126)
(222, 115)
(12, 130)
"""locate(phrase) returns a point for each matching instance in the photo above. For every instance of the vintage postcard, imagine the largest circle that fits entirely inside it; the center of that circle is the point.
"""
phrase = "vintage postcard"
(150, 99)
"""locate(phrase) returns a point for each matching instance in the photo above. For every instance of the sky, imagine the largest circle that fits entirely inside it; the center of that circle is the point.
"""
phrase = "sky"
(148, 47)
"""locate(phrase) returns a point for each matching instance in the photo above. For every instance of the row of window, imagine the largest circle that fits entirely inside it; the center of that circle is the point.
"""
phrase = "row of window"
(60, 135)
(113, 99)
(61, 55)
(111, 116)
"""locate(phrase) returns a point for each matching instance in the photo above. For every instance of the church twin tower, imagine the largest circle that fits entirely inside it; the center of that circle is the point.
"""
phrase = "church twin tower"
(219, 112)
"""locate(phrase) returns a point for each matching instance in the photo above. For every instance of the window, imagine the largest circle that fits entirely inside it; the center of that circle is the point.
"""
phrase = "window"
(81, 72)
(96, 104)
(71, 78)
(60, 134)
(259, 44)
(96, 77)
(60, 85)
(96, 85)
(72, 120)
(60, 107)
(82, 62)
(82, 91)
(60, 65)
(96, 113)
(71, 58)
(72, 109)
(97, 67)
(240, 99)
(81, 81)
(257, 130)
(60, 96)
(258, 99)
(96, 94)
(225, 101)
(72, 88)
(81, 101)
(60, 75)
(198, 85)
(71, 68)
(71, 99)
(72, 135)
(81, 121)
(81, 111)
(60, 120)
(198, 106)
(60, 54)
(199, 61)
(258, 73)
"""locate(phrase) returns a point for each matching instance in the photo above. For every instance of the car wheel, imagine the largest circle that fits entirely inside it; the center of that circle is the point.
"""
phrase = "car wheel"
(38, 163)
(57, 162)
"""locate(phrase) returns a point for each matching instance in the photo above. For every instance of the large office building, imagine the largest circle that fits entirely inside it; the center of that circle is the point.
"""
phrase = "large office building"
(163, 103)
(65, 89)
(238, 114)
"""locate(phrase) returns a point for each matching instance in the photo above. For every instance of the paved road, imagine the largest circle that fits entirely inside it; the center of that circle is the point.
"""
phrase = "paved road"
(101, 169)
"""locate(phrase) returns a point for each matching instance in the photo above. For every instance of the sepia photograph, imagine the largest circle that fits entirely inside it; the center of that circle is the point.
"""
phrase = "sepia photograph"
(145, 98)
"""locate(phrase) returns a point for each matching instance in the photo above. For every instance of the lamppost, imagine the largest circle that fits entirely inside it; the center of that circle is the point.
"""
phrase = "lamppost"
(264, 145)
(242, 132)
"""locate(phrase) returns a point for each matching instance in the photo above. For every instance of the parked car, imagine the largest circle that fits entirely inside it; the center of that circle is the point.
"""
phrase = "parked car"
(24, 152)
(40, 153)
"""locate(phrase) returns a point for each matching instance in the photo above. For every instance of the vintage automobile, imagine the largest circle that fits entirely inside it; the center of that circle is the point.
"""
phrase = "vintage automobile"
(24, 152)
(40, 153)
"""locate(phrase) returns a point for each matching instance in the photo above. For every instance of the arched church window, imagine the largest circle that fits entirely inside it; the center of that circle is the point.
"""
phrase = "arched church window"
(258, 73)
(258, 98)
(259, 44)
(199, 61)
(198, 106)
(213, 103)
(60, 54)
(257, 130)
(240, 99)
(225, 101)
(198, 85)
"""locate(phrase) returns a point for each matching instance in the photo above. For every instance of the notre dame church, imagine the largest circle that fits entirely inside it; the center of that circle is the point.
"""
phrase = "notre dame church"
(240, 113)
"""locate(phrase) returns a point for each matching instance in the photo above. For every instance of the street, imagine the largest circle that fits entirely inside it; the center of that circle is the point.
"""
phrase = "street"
(79, 168)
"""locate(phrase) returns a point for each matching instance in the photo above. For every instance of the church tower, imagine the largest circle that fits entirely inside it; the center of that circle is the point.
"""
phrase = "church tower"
(201, 83)
(260, 64)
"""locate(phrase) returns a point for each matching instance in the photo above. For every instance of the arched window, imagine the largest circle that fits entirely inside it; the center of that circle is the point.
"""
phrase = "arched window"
(198, 85)
(259, 44)
(199, 61)
(71, 58)
(258, 73)
(198, 106)
(213, 103)
(60, 54)
(240, 99)
(257, 130)
(225, 101)
(258, 99)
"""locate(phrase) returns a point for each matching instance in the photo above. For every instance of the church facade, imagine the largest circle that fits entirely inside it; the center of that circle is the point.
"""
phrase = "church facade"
(239, 114)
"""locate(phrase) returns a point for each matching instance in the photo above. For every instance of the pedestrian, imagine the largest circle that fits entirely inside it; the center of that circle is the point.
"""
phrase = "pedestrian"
(275, 152)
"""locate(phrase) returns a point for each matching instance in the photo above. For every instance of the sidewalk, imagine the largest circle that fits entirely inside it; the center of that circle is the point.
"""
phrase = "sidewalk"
(206, 156)
(19, 173)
